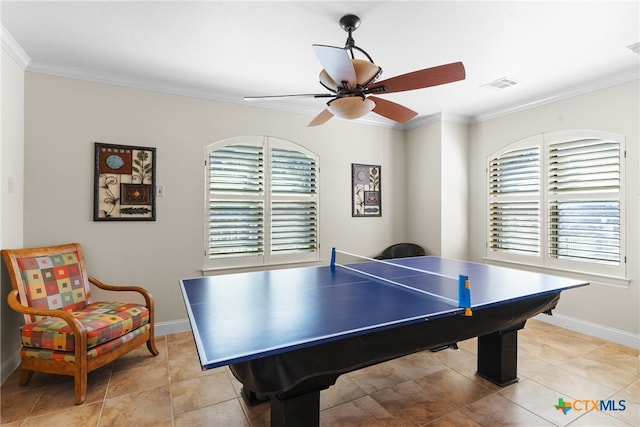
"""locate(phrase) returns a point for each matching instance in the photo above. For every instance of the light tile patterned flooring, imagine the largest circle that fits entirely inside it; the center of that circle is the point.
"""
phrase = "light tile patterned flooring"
(423, 389)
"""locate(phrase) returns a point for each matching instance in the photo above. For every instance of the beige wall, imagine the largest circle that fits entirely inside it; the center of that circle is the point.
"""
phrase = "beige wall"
(455, 178)
(11, 197)
(608, 303)
(64, 117)
(437, 187)
(424, 186)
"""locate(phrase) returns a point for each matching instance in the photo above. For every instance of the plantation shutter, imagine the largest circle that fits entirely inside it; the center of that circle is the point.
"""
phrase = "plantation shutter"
(584, 200)
(262, 203)
(514, 206)
(236, 209)
(294, 208)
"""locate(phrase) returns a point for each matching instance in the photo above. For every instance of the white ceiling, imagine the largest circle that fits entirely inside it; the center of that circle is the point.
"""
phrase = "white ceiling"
(225, 50)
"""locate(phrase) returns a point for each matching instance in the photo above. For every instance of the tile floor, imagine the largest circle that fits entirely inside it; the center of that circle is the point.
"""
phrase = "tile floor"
(423, 389)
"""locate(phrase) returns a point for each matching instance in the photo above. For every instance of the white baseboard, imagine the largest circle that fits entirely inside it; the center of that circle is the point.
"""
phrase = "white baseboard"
(172, 327)
(593, 329)
(9, 365)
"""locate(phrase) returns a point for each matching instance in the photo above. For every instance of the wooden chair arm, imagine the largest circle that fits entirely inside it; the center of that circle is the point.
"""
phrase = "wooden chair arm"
(142, 291)
(79, 331)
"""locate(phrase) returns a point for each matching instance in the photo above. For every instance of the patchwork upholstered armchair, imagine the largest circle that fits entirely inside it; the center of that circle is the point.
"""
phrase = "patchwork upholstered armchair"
(65, 331)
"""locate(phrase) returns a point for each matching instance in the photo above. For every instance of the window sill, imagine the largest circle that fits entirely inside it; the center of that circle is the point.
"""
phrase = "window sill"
(601, 279)
(215, 271)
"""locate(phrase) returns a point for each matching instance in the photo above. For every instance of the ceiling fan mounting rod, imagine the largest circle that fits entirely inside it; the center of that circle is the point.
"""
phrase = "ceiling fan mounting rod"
(350, 23)
(350, 41)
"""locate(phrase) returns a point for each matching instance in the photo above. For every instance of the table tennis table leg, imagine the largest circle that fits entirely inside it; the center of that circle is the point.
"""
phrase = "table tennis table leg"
(498, 357)
(252, 398)
(301, 410)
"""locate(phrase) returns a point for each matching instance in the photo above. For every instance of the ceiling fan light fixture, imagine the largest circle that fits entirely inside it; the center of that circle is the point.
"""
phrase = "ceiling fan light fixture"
(350, 107)
(366, 72)
(327, 81)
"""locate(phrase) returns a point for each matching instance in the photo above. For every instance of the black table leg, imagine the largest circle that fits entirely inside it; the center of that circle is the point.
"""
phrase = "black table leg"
(301, 410)
(498, 357)
(252, 398)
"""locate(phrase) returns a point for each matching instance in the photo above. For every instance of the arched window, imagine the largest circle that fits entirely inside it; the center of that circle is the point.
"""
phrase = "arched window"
(261, 203)
(557, 200)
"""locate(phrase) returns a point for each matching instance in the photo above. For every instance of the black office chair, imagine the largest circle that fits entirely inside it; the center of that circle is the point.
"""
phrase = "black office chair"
(402, 250)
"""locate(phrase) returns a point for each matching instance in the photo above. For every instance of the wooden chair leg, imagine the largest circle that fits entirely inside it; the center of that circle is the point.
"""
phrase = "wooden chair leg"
(80, 388)
(81, 370)
(25, 376)
(151, 345)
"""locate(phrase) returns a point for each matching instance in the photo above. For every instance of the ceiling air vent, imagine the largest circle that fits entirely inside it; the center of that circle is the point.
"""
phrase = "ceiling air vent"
(635, 48)
(501, 83)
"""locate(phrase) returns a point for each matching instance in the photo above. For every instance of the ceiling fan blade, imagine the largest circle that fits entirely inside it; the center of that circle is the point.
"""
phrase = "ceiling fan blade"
(428, 77)
(321, 118)
(300, 95)
(337, 63)
(392, 110)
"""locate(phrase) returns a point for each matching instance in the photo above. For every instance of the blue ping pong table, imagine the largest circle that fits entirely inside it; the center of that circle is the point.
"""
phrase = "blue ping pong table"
(288, 334)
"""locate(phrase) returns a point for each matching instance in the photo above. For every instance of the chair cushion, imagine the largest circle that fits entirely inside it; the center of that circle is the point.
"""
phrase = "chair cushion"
(105, 321)
(68, 356)
(53, 282)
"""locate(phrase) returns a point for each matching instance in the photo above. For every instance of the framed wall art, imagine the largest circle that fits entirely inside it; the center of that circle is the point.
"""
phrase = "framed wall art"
(124, 183)
(366, 199)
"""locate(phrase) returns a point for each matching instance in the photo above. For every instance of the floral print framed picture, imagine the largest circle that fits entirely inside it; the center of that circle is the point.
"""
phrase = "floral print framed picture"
(124, 183)
(366, 197)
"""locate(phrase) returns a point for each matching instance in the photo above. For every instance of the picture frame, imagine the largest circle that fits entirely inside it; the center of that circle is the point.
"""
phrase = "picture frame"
(366, 190)
(124, 183)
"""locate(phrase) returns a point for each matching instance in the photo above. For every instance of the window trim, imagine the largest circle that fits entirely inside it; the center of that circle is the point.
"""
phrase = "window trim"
(545, 260)
(266, 259)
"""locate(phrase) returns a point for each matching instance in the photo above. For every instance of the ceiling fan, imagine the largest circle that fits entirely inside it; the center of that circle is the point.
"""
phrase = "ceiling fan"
(351, 82)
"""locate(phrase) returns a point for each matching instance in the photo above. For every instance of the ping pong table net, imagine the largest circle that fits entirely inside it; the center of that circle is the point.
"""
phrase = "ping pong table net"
(454, 290)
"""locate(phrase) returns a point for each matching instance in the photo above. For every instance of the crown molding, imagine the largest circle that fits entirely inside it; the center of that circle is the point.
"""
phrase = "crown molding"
(372, 119)
(20, 56)
(194, 92)
(125, 81)
(14, 50)
(437, 117)
(609, 81)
